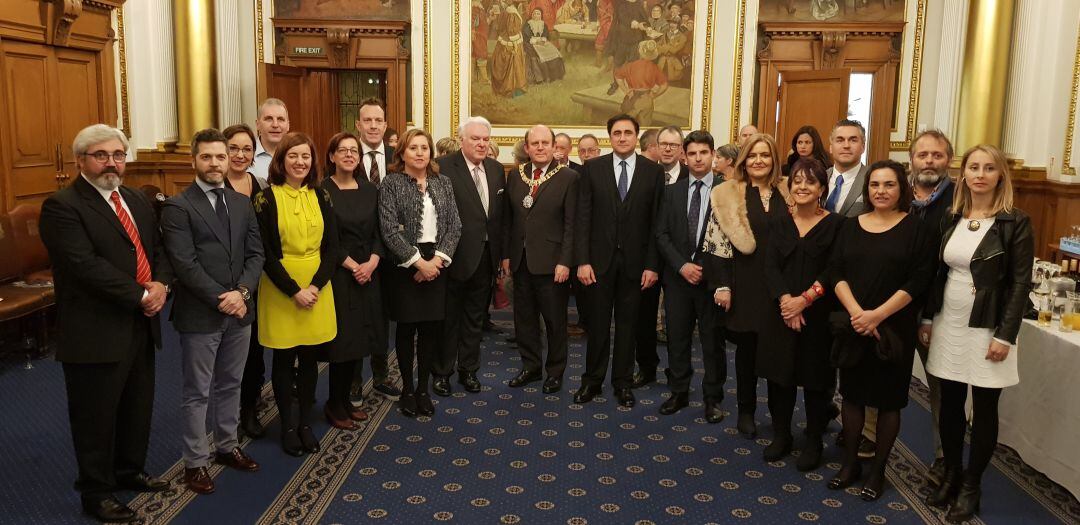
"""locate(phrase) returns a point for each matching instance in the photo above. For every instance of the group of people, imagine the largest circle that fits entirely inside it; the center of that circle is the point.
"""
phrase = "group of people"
(312, 252)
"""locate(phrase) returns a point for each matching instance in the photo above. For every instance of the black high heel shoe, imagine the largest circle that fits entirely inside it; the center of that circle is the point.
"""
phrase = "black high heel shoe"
(947, 491)
(290, 443)
(842, 482)
(967, 502)
(407, 402)
(873, 488)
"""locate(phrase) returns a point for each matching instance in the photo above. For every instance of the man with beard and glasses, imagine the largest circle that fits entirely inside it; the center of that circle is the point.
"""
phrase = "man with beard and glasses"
(930, 153)
(214, 245)
(112, 278)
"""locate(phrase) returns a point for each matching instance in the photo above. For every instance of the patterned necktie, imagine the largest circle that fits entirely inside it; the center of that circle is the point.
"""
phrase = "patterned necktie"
(477, 178)
(220, 208)
(693, 214)
(536, 176)
(373, 173)
(624, 181)
(834, 195)
(142, 265)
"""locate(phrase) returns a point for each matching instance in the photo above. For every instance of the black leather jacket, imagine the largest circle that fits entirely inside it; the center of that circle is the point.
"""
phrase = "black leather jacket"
(1000, 269)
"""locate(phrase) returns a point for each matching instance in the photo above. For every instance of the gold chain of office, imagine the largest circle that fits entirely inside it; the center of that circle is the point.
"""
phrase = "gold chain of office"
(532, 183)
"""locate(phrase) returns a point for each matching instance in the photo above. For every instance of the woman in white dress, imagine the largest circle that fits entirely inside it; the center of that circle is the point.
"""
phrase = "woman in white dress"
(977, 303)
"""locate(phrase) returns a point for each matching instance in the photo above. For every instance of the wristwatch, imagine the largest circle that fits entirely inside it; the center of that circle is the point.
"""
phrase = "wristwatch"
(245, 294)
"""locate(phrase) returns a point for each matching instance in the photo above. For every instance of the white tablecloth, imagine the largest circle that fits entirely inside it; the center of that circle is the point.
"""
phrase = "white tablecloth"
(1040, 417)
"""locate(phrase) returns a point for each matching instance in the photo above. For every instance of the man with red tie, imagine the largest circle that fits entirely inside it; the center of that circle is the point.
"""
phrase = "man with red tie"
(112, 278)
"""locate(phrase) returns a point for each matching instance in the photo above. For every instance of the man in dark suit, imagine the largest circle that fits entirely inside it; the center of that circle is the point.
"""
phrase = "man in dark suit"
(563, 146)
(479, 189)
(650, 325)
(542, 199)
(112, 278)
(376, 155)
(213, 243)
(680, 233)
(615, 247)
(847, 176)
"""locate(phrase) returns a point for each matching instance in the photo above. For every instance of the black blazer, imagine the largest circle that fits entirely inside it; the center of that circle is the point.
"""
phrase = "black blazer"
(207, 259)
(1000, 269)
(266, 214)
(673, 228)
(606, 224)
(94, 271)
(575, 166)
(474, 222)
(544, 234)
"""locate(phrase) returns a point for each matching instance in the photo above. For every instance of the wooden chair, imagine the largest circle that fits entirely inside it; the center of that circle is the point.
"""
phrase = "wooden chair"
(19, 303)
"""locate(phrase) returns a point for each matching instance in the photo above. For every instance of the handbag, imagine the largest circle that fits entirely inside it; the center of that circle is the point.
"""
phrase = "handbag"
(848, 346)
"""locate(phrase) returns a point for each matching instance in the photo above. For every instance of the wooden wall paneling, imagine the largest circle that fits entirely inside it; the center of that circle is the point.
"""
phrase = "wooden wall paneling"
(816, 98)
(26, 20)
(287, 84)
(320, 97)
(1054, 207)
(30, 81)
(80, 102)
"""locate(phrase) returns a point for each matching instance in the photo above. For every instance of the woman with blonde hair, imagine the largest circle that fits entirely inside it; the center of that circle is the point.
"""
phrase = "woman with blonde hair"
(977, 303)
(742, 209)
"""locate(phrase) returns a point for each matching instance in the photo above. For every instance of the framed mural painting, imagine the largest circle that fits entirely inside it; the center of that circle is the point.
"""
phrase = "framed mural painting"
(571, 64)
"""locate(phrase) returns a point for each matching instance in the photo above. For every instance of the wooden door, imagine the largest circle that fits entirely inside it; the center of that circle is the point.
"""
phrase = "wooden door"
(77, 100)
(33, 147)
(285, 83)
(810, 98)
(311, 97)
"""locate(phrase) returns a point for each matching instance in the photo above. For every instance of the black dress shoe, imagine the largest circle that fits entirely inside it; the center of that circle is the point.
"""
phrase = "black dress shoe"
(947, 490)
(307, 439)
(469, 381)
(810, 457)
(780, 447)
(967, 502)
(625, 396)
(441, 387)
(842, 480)
(675, 403)
(874, 486)
(641, 380)
(713, 414)
(387, 388)
(250, 426)
(290, 443)
(552, 385)
(747, 426)
(108, 510)
(142, 482)
(424, 406)
(525, 377)
(407, 402)
(586, 393)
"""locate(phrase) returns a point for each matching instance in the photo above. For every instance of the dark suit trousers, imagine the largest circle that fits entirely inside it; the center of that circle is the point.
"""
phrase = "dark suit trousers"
(688, 306)
(536, 296)
(646, 356)
(620, 292)
(745, 375)
(110, 407)
(466, 305)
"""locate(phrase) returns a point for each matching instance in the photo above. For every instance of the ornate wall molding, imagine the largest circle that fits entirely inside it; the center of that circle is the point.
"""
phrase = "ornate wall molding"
(69, 11)
(1070, 122)
(737, 75)
(125, 118)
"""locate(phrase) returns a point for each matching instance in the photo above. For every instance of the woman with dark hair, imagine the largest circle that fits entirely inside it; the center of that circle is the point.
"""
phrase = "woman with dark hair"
(241, 148)
(296, 300)
(806, 143)
(793, 349)
(357, 298)
(420, 226)
(391, 135)
(736, 240)
(881, 266)
(977, 304)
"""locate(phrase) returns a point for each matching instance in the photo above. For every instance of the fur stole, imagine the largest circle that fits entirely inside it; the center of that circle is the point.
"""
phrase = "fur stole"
(728, 223)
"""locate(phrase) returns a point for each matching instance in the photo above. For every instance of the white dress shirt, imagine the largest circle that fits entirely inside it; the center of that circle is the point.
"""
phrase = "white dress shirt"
(380, 156)
(260, 164)
(208, 190)
(631, 163)
(849, 182)
(672, 175)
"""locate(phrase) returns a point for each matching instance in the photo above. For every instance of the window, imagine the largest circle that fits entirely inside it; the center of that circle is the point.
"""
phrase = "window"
(860, 95)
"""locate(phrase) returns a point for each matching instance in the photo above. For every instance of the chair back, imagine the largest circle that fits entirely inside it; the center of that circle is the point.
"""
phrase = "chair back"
(9, 256)
(32, 255)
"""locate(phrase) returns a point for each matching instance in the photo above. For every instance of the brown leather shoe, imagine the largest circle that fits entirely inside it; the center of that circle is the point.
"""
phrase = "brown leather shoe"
(237, 459)
(358, 414)
(344, 423)
(198, 480)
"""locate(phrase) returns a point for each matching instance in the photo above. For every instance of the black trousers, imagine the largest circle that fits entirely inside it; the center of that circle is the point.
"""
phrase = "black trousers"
(110, 406)
(617, 292)
(254, 372)
(420, 340)
(782, 407)
(686, 307)
(645, 353)
(466, 306)
(537, 296)
(745, 374)
(578, 291)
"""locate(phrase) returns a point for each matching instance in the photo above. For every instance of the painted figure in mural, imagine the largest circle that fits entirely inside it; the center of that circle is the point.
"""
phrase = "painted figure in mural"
(627, 29)
(605, 12)
(670, 48)
(573, 12)
(543, 61)
(548, 8)
(824, 9)
(479, 25)
(508, 60)
(641, 81)
(657, 25)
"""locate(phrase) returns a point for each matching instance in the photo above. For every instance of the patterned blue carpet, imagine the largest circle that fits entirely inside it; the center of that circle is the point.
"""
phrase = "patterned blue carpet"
(502, 456)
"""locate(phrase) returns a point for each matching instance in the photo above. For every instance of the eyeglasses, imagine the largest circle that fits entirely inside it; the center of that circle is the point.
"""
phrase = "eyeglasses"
(103, 156)
(670, 145)
(233, 150)
(350, 151)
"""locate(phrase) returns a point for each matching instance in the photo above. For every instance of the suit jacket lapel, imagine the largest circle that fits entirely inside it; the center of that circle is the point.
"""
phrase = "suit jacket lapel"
(494, 173)
(610, 183)
(682, 219)
(96, 203)
(201, 204)
(855, 192)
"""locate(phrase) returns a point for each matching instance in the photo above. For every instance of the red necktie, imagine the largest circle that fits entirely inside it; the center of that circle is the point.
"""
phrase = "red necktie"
(142, 266)
(536, 176)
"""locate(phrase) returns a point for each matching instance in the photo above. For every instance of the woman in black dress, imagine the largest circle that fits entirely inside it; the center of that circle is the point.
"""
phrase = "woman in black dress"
(794, 347)
(420, 226)
(881, 266)
(241, 144)
(357, 298)
(736, 240)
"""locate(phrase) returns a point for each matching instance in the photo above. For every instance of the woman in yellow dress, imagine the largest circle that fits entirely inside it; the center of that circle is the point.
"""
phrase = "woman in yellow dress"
(296, 302)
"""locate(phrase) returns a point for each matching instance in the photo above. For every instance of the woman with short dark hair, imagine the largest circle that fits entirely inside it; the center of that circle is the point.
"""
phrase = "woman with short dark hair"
(881, 266)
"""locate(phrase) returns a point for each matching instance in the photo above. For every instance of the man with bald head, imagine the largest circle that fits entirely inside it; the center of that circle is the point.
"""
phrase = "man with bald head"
(271, 126)
(746, 132)
(542, 202)
(563, 145)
